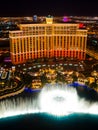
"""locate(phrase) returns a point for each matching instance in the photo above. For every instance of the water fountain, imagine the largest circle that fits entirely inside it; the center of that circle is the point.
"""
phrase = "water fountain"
(55, 99)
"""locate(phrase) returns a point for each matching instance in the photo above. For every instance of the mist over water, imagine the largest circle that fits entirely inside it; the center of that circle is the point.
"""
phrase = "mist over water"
(56, 99)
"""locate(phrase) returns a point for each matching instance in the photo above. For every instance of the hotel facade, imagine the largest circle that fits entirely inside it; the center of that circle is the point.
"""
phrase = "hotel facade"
(47, 40)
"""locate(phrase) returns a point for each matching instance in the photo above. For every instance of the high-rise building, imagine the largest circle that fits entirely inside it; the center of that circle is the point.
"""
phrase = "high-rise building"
(35, 18)
(47, 40)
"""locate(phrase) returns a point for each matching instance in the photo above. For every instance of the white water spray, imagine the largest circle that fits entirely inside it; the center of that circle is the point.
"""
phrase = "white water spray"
(59, 100)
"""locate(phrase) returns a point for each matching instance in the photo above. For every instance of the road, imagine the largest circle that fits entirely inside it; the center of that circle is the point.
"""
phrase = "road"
(92, 53)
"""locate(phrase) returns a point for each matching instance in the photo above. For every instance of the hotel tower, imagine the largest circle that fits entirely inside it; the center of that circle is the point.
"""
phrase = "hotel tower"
(47, 40)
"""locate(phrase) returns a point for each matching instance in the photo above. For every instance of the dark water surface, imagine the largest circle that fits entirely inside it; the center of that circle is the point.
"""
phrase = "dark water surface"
(44, 121)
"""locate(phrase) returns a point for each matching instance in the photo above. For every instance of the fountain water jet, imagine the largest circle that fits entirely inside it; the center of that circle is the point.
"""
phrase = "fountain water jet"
(56, 99)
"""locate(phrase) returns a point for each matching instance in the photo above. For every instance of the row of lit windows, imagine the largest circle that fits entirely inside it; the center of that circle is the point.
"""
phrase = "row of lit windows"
(58, 27)
(42, 45)
(32, 50)
(49, 41)
(35, 47)
(43, 38)
(36, 55)
(48, 32)
(36, 29)
(65, 38)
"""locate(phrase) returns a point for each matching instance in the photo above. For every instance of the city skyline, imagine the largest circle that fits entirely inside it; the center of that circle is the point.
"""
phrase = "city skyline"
(29, 8)
(48, 69)
(54, 84)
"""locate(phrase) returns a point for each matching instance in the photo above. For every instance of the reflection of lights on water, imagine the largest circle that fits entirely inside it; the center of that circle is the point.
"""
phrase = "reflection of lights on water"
(30, 90)
(59, 100)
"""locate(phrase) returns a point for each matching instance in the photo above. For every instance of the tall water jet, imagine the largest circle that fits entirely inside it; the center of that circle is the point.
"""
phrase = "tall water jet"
(55, 99)
(61, 100)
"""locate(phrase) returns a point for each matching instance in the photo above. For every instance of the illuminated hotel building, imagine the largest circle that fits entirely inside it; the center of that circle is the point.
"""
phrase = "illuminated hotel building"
(47, 40)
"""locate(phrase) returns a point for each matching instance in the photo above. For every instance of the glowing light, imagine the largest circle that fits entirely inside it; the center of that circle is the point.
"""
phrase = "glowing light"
(59, 100)
(65, 19)
(62, 100)
(81, 25)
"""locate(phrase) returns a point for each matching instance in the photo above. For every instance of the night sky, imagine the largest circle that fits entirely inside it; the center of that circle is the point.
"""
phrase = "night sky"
(45, 7)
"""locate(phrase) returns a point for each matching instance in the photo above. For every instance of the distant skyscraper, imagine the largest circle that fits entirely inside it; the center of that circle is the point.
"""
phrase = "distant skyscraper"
(65, 19)
(35, 18)
(47, 40)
